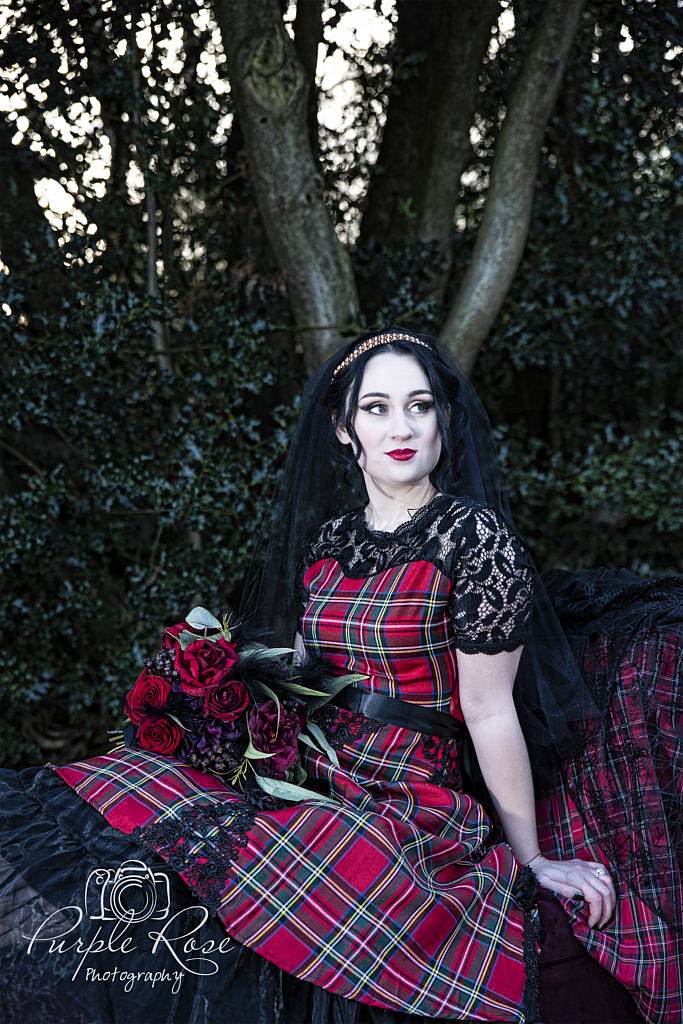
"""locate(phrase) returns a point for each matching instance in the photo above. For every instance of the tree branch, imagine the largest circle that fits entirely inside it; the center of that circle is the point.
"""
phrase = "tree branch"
(308, 34)
(507, 214)
(438, 54)
(449, 129)
(270, 91)
(23, 458)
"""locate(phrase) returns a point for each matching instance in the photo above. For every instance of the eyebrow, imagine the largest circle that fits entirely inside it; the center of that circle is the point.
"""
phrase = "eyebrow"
(381, 394)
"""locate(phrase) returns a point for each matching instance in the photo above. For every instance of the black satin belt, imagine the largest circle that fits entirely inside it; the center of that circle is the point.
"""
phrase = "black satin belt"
(398, 712)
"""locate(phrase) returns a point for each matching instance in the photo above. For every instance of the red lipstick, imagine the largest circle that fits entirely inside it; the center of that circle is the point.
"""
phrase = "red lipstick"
(402, 454)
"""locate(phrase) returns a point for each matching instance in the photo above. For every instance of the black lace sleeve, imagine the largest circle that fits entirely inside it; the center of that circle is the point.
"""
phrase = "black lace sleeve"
(492, 584)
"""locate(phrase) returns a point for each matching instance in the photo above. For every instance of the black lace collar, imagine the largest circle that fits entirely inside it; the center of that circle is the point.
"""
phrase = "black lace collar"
(356, 519)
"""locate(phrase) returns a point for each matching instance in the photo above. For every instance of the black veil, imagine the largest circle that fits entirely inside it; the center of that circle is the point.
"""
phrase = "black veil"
(320, 479)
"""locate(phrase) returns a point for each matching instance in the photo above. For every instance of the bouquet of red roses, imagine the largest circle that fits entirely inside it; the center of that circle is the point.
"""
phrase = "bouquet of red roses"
(234, 710)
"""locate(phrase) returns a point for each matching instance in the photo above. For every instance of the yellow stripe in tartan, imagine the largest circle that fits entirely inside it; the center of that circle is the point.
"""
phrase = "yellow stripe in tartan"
(394, 937)
(382, 605)
(431, 650)
(153, 767)
(149, 766)
(247, 876)
(358, 630)
(327, 949)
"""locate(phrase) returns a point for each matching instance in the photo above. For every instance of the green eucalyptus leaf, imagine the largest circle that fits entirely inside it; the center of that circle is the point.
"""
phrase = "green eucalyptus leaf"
(299, 774)
(298, 688)
(316, 731)
(289, 791)
(258, 650)
(253, 754)
(186, 638)
(334, 684)
(201, 618)
(309, 741)
(352, 677)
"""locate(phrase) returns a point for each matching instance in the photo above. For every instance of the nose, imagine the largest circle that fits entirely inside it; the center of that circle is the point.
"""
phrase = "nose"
(400, 426)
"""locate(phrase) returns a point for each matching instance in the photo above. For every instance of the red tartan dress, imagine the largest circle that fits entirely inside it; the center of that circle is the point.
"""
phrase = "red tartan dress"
(403, 895)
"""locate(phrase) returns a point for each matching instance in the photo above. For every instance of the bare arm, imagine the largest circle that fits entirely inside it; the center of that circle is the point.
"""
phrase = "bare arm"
(485, 687)
(485, 684)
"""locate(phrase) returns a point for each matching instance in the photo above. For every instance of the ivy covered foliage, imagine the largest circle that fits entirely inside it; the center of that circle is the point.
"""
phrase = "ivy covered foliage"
(150, 381)
(582, 375)
(584, 372)
(134, 493)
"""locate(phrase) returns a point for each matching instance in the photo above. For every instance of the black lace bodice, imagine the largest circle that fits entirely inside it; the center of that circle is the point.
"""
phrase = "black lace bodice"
(468, 541)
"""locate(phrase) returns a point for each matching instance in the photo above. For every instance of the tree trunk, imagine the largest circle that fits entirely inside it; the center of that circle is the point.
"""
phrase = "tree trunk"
(426, 139)
(507, 214)
(270, 91)
(308, 34)
(158, 334)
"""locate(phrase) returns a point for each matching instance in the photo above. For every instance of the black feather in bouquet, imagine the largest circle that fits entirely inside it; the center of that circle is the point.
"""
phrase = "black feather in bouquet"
(237, 709)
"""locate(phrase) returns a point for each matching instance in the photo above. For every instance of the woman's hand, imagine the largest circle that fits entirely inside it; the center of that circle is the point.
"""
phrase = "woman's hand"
(572, 877)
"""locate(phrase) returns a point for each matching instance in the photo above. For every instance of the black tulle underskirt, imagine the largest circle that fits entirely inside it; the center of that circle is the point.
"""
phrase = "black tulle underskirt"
(51, 842)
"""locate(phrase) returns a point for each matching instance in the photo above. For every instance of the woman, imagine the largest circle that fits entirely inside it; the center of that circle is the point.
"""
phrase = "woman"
(409, 897)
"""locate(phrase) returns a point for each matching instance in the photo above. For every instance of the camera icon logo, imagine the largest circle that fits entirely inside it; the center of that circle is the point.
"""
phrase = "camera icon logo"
(133, 892)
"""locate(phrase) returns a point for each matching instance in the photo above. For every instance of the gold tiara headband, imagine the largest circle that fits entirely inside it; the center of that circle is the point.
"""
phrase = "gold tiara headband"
(380, 339)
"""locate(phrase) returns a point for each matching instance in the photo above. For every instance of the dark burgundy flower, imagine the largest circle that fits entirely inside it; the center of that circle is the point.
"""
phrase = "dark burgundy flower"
(226, 700)
(159, 734)
(204, 664)
(283, 746)
(149, 694)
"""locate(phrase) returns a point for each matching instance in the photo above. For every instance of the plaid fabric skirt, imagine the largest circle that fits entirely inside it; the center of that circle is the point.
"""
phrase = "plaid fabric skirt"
(400, 894)
(620, 802)
(404, 896)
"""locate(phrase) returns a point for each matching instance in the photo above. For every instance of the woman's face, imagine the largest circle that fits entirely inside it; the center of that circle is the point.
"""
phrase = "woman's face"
(396, 411)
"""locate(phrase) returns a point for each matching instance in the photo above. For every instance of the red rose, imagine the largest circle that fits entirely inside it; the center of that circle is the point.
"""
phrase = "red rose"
(204, 664)
(226, 700)
(149, 692)
(283, 747)
(159, 734)
(173, 641)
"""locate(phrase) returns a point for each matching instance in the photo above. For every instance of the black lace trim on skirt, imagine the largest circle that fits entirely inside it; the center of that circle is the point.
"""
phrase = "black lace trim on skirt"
(442, 752)
(342, 726)
(525, 894)
(217, 831)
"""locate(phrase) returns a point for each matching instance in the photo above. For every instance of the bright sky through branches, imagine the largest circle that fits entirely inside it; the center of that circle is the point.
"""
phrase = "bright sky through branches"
(357, 29)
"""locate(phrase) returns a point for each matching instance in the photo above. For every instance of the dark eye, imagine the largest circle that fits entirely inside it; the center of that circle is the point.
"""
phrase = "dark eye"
(423, 406)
